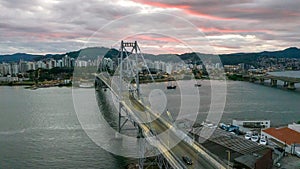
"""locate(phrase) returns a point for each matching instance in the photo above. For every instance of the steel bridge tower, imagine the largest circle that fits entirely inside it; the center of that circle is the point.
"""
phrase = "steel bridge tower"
(130, 64)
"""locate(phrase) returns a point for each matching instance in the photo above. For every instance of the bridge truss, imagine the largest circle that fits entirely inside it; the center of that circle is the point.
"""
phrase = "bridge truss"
(130, 63)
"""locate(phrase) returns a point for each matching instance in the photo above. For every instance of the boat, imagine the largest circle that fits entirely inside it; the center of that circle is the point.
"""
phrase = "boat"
(171, 86)
(198, 84)
(86, 85)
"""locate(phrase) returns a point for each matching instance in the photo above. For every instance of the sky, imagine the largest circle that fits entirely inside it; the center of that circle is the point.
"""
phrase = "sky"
(159, 26)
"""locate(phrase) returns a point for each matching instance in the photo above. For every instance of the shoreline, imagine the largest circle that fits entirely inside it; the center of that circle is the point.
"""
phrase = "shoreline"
(32, 85)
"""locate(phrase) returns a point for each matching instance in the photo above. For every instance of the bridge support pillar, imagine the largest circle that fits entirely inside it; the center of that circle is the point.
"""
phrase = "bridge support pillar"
(141, 142)
(291, 86)
(273, 82)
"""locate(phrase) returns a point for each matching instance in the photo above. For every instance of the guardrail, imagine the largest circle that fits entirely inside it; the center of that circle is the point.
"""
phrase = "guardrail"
(190, 143)
(172, 158)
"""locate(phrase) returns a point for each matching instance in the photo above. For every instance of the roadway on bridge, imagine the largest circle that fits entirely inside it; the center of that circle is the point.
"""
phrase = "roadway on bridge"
(181, 148)
(288, 76)
(159, 125)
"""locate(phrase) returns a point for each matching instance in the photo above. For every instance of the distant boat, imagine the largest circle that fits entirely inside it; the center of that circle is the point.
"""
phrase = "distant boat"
(86, 85)
(198, 84)
(171, 86)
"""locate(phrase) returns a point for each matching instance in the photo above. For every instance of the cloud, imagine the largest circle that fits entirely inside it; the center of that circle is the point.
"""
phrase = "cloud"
(40, 26)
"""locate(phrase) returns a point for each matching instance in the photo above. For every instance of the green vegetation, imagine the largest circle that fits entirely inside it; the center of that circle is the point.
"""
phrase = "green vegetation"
(235, 77)
(51, 74)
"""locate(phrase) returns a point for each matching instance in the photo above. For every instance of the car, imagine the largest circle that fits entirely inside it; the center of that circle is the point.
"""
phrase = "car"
(187, 160)
(248, 136)
(255, 138)
(263, 141)
(232, 133)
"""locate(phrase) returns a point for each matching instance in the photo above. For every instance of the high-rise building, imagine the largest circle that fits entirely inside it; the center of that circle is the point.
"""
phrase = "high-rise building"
(31, 66)
(41, 64)
(169, 68)
(23, 66)
(59, 63)
(14, 68)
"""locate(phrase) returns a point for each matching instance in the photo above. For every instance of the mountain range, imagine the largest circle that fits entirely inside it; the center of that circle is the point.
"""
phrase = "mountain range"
(93, 52)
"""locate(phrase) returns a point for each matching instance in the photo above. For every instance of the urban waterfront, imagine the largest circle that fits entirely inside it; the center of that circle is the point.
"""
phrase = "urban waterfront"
(39, 128)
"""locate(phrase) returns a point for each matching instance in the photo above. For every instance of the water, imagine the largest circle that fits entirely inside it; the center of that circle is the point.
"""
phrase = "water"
(244, 101)
(254, 101)
(39, 128)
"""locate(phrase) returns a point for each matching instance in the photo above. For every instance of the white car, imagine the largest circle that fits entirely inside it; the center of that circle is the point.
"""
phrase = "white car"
(263, 141)
(248, 136)
(255, 138)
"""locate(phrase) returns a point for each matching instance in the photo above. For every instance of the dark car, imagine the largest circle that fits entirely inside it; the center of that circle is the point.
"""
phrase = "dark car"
(187, 160)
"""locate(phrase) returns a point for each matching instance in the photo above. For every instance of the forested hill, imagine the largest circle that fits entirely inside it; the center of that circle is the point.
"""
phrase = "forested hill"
(93, 52)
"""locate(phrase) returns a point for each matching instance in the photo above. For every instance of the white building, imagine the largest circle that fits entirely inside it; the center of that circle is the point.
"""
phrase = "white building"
(252, 123)
(41, 64)
(5, 69)
(59, 63)
(81, 63)
(51, 64)
(286, 137)
(295, 127)
(31, 66)
(14, 68)
(23, 66)
(169, 68)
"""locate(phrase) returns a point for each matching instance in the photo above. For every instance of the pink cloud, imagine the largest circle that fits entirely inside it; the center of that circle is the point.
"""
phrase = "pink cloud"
(225, 47)
(155, 38)
(47, 35)
(207, 16)
(186, 8)
(218, 30)
(161, 5)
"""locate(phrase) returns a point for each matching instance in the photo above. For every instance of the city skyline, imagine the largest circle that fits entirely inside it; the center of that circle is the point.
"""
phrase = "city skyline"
(40, 27)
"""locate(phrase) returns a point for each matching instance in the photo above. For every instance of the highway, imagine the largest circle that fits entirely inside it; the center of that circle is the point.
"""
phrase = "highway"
(181, 148)
(152, 124)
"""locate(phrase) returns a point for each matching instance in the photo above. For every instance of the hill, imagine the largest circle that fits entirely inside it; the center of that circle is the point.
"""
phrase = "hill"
(250, 58)
(93, 52)
(87, 53)
(17, 57)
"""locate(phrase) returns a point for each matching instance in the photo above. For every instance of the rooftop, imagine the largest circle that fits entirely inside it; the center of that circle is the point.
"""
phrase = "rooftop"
(284, 134)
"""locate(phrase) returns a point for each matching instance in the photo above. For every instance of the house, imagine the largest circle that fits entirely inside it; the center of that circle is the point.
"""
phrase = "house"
(286, 136)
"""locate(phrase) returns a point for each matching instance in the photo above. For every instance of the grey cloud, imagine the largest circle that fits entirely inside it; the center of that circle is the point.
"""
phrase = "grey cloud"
(62, 25)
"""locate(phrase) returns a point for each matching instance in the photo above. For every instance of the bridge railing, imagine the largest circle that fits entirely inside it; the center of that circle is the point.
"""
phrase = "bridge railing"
(190, 142)
(172, 158)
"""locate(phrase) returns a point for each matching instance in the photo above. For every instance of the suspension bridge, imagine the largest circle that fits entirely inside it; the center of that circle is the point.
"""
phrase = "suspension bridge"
(153, 128)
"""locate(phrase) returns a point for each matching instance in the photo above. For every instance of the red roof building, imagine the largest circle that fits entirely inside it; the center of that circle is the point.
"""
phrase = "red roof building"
(284, 135)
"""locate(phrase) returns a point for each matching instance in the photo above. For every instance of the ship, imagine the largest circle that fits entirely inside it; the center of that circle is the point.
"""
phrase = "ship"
(86, 85)
(171, 86)
(198, 84)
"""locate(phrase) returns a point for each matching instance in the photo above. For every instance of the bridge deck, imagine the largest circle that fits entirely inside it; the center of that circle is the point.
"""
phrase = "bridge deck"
(143, 114)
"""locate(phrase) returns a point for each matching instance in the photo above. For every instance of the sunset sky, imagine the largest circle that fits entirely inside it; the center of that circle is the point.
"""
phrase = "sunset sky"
(160, 26)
